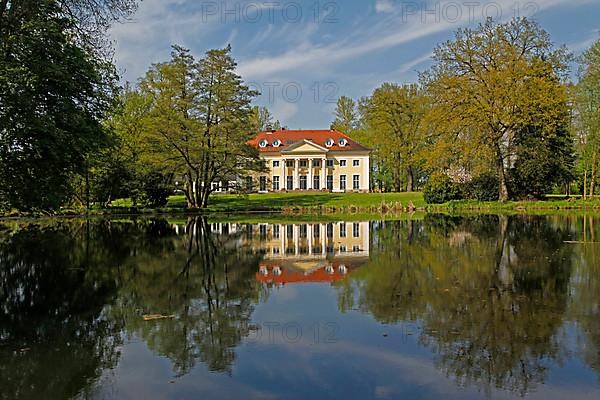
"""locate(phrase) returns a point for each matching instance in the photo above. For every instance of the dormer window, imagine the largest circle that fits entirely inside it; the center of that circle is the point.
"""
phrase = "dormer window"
(343, 142)
(276, 143)
(263, 143)
(329, 142)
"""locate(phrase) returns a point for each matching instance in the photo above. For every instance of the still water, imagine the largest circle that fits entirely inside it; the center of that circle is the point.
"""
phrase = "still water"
(452, 307)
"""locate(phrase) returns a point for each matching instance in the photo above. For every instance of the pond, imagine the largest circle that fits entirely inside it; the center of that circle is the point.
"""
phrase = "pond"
(460, 307)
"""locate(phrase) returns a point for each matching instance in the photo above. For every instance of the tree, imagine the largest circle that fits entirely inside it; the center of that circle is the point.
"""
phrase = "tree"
(394, 116)
(53, 97)
(491, 83)
(263, 119)
(587, 116)
(200, 121)
(346, 115)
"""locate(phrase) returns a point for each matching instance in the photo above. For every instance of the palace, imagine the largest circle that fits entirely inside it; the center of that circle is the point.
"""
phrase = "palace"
(326, 160)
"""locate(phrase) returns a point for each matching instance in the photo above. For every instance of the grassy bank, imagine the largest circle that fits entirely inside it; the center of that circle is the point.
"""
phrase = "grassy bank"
(330, 205)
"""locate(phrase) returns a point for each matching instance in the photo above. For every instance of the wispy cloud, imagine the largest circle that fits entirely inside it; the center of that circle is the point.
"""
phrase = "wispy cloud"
(388, 33)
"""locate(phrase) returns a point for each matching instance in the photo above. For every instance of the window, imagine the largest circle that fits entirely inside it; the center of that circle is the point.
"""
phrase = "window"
(249, 183)
(316, 163)
(329, 182)
(330, 231)
(275, 164)
(356, 182)
(303, 163)
(342, 249)
(263, 143)
(329, 163)
(263, 183)
(303, 231)
(275, 231)
(342, 163)
(355, 163)
(275, 183)
(290, 231)
(316, 182)
(329, 142)
(276, 143)
(342, 229)
(316, 230)
(290, 163)
(356, 230)
(275, 251)
(263, 232)
(290, 183)
(343, 142)
(342, 182)
(356, 249)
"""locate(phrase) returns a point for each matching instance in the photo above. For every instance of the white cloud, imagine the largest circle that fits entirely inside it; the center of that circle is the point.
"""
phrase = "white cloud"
(384, 6)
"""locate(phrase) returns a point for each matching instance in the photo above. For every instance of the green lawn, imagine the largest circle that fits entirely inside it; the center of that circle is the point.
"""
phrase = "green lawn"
(283, 201)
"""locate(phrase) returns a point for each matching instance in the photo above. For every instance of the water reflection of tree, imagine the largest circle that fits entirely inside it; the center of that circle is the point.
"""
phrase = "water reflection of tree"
(585, 305)
(207, 282)
(491, 293)
(54, 335)
(69, 290)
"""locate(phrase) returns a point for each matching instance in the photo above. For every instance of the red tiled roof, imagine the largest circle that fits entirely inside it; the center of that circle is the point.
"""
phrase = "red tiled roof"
(319, 137)
(289, 276)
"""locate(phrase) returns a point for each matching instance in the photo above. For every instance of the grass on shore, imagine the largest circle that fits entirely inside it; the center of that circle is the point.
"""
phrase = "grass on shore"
(315, 203)
(285, 201)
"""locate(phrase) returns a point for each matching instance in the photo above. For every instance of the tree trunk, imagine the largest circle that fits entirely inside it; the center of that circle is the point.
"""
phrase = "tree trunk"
(410, 178)
(585, 184)
(593, 177)
(503, 187)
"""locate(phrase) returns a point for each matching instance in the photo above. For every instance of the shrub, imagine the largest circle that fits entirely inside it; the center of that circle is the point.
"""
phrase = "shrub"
(155, 191)
(440, 189)
(484, 187)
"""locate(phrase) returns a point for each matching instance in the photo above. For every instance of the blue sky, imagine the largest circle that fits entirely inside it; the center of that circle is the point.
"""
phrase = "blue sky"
(302, 55)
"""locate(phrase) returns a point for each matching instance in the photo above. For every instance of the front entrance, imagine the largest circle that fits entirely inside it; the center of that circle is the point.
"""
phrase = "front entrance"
(303, 185)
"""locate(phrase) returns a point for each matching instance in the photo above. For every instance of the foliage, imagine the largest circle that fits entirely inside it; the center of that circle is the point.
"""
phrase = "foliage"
(263, 119)
(346, 115)
(488, 85)
(393, 117)
(53, 97)
(543, 159)
(587, 117)
(483, 187)
(440, 189)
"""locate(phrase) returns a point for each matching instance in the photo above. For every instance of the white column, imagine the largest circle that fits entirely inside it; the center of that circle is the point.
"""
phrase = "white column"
(282, 235)
(309, 184)
(309, 233)
(323, 173)
(282, 179)
(296, 237)
(295, 173)
(323, 229)
(366, 174)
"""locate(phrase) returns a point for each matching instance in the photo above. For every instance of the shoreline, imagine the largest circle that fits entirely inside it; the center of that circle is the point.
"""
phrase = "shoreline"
(386, 210)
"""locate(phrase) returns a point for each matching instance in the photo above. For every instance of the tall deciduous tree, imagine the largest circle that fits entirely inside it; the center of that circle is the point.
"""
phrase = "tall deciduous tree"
(587, 121)
(394, 118)
(494, 81)
(53, 97)
(346, 115)
(200, 121)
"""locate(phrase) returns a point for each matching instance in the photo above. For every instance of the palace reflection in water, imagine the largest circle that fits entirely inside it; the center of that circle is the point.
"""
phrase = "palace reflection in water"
(498, 306)
(306, 252)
